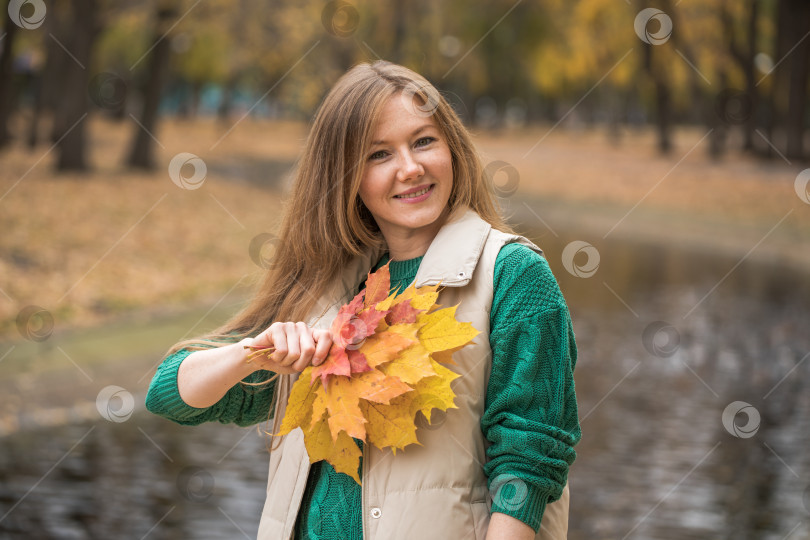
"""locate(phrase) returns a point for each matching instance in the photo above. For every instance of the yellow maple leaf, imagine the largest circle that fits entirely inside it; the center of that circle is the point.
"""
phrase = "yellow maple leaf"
(434, 392)
(299, 405)
(390, 425)
(446, 356)
(439, 330)
(422, 298)
(412, 365)
(341, 400)
(343, 453)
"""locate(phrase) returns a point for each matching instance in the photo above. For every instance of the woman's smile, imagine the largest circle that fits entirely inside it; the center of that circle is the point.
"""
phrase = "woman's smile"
(415, 195)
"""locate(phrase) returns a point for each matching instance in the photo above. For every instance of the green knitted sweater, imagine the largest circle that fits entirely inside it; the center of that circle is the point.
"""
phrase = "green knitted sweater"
(530, 415)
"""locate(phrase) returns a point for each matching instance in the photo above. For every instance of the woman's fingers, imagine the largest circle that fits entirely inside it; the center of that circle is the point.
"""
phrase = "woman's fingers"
(279, 337)
(306, 346)
(324, 341)
(293, 345)
(296, 346)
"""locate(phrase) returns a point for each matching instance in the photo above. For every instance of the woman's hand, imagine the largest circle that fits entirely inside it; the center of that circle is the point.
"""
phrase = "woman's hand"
(296, 347)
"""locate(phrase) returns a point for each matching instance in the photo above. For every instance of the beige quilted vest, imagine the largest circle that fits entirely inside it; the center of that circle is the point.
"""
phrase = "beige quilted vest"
(438, 490)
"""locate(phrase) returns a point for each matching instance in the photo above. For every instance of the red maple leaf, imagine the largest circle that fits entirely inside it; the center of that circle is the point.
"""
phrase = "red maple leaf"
(402, 313)
(352, 325)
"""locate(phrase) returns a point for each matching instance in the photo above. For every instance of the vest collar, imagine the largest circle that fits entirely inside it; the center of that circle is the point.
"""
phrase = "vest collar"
(453, 255)
(450, 259)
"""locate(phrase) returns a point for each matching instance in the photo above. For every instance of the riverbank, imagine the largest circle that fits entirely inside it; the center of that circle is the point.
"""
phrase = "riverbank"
(738, 206)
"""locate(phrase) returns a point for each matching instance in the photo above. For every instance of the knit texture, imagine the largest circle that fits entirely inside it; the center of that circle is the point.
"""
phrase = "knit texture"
(530, 415)
(243, 405)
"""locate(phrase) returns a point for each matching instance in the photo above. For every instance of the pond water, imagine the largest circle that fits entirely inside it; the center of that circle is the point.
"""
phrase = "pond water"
(667, 341)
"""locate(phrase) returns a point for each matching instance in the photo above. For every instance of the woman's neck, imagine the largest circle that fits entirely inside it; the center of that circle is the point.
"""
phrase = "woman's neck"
(404, 244)
(399, 250)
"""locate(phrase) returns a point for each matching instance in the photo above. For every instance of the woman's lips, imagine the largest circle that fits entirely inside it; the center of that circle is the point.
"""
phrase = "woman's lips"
(416, 196)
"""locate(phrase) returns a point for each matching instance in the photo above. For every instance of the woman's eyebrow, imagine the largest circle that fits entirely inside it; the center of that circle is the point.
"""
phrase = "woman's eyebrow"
(415, 132)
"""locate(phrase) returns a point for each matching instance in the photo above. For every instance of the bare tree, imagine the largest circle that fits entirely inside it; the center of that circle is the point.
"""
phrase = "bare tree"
(70, 121)
(142, 154)
(744, 57)
(6, 80)
(797, 28)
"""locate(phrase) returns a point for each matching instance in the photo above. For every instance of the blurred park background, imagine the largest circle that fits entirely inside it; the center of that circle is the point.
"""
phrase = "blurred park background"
(657, 151)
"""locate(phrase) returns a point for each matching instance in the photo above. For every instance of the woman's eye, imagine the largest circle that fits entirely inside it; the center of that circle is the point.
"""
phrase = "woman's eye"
(425, 140)
(377, 155)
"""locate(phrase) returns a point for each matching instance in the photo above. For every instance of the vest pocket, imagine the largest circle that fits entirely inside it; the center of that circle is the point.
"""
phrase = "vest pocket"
(480, 515)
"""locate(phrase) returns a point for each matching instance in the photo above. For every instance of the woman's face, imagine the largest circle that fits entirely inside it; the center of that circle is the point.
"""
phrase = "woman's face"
(408, 172)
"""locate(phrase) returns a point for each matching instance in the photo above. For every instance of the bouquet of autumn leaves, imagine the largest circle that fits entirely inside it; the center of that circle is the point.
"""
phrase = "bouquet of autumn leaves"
(384, 366)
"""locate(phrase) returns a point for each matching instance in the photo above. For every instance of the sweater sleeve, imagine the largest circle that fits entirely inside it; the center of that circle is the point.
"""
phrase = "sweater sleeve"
(242, 405)
(530, 415)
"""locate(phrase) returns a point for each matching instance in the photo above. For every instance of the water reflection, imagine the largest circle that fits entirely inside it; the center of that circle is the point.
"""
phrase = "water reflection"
(141, 478)
(655, 460)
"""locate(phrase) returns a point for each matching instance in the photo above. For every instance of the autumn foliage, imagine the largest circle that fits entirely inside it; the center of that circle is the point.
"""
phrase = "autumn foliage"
(385, 366)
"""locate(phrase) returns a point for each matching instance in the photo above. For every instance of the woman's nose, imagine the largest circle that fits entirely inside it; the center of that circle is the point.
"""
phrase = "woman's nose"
(409, 167)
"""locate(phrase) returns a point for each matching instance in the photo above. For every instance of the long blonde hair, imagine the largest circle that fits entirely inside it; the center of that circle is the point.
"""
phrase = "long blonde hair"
(325, 223)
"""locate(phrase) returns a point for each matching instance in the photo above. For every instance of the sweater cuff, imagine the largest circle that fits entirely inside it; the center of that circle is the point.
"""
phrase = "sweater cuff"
(164, 398)
(520, 500)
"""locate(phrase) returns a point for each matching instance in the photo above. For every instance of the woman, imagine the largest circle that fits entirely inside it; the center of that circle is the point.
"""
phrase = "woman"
(389, 174)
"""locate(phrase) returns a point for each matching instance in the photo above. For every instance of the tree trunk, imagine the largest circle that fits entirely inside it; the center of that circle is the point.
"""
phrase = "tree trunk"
(662, 100)
(399, 13)
(798, 62)
(750, 80)
(194, 109)
(717, 120)
(744, 57)
(7, 81)
(779, 78)
(664, 116)
(46, 81)
(142, 154)
(226, 103)
(73, 107)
